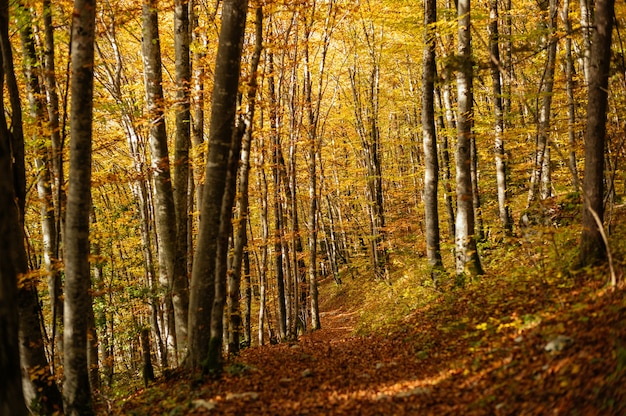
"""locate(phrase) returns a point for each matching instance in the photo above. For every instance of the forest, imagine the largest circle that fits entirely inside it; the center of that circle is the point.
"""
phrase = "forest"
(312, 207)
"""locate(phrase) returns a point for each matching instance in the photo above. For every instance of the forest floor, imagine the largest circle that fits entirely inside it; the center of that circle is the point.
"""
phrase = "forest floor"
(533, 339)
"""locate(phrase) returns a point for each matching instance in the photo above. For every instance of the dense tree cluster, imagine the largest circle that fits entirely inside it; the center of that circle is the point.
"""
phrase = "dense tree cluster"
(177, 176)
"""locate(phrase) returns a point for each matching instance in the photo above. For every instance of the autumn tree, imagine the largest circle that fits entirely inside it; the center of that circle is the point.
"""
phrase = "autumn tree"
(76, 391)
(592, 245)
(498, 109)
(431, 168)
(467, 260)
(207, 286)
(39, 390)
(11, 245)
(164, 208)
(180, 282)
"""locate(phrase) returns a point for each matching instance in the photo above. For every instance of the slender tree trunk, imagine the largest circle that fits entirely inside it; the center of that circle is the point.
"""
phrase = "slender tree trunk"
(467, 260)
(569, 88)
(265, 233)
(431, 166)
(165, 218)
(198, 79)
(540, 182)
(37, 106)
(234, 279)
(12, 400)
(444, 156)
(278, 213)
(49, 76)
(592, 247)
(180, 282)
(206, 293)
(76, 391)
(36, 373)
(500, 155)
(586, 11)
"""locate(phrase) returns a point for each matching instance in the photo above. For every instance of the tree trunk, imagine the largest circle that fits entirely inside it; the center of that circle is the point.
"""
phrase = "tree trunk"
(467, 260)
(569, 88)
(11, 252)
(278, 213)
(165, 218)
(592, 247)
(180, 280)
(240, 242)
(431, 166)
(36, 375)
(540, 182)
(76, 391)
(43, 163)
(205, 279)
(500, 155)
(199, 40)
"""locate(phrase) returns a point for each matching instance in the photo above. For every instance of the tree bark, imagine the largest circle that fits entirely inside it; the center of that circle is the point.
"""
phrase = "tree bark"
(500, 155)
(205, 280)
(467, 260)
(49, 77)
(240, 238)
(431, 165)
(180, 283)
(76, 391)
(540, 182)
(38, 389)
(165, 217)
(569, 88)
(11, 247)
(592, 247)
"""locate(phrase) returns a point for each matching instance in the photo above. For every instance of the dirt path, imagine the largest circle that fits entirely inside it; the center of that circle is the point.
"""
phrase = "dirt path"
(460, 359)
(326, 372)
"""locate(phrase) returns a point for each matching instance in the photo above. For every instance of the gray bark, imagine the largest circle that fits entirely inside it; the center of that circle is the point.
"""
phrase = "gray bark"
(205, 317)
(165, 218)
(500, 155)
(540, 181)
(37, 390)
(240, 238)
(431, 165)
(180, 280)
(569, 88)
(467, 260)
(76, 391)
(49, 77)
(592, 247)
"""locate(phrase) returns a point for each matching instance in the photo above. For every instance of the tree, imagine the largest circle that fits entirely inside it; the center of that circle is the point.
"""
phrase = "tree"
(240, 234)
(11, 393)
(39, 391)
(540, 180)
(496, 82)
(206, 289)
(592, 245)
(431, 166)
(467, 260)
(76, 391)
(180, 280)
(163, 195)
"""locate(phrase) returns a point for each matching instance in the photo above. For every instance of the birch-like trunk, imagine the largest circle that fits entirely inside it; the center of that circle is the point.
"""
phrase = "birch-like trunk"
(496, 85)
(467, 260)
(180, 280)
(160, 163)
(431, 165)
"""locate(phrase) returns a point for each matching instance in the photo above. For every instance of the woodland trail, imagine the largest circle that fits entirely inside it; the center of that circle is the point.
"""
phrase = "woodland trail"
(470, 356)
